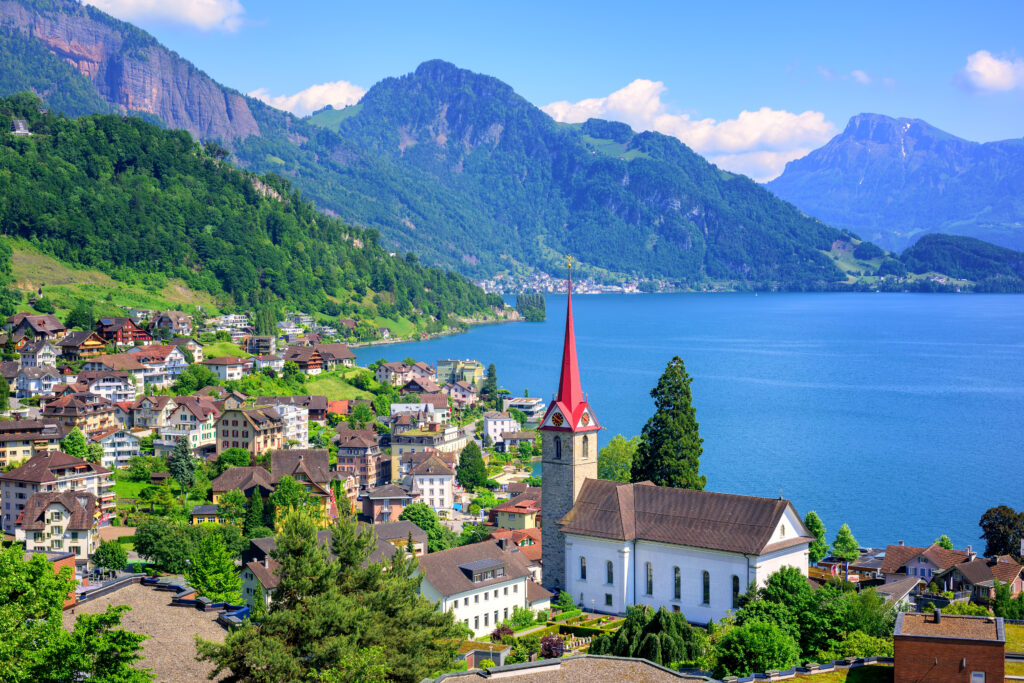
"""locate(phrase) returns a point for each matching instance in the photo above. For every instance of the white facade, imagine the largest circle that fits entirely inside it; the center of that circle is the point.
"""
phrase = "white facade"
(226, 371)
(709, 581)
(31, 382)
(114, 389)
(14, 494)
(296, 423)
(436, 490)
(481, 609)
(438, 415)
(43, 356)
(118, 449)
(498, 423)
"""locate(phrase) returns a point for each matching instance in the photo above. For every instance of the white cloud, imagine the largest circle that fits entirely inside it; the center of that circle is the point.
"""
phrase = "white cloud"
(756, 143)
(338, 94)
(861, 77)
(225, 15)
(988, 73)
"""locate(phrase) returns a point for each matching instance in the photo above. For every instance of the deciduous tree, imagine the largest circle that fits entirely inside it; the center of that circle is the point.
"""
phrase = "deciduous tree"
(232, 506)
(944, 541)
(75, 445)
(615, 461)
(1002, 528)
(670, 445)
(111, 554)
(439, 537)
(755, 646)
(212, 572)
(819, 546)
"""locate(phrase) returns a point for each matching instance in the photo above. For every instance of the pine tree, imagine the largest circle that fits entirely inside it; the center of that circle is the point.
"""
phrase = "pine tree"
(253, 513)
(670, 444)
(471, 473)
(75, 445)
(182, 466)
(212, 571)
(5, 395)
(819, 546)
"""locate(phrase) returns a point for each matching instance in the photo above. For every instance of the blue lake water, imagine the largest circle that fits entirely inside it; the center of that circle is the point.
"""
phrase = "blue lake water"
(900, 414)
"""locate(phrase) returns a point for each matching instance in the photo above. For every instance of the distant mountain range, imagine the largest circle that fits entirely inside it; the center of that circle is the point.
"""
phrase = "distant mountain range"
(892, 180)
(458, 168)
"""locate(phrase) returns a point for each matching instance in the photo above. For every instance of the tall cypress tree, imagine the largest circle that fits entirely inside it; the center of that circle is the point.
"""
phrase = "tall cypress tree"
(670, 444)
(182, 466)
(253, 513)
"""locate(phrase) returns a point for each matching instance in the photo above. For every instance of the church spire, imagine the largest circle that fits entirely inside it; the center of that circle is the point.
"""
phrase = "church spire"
(569, 392)
(569, 411)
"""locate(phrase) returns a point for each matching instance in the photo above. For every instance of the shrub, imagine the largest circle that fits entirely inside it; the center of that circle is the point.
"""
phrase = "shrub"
(500, 632)
(487, 664)
(568, 614)
(521, 617)
(552, 646)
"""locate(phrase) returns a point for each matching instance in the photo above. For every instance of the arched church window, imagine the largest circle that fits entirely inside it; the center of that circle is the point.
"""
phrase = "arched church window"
(558, 448)
(586, 446)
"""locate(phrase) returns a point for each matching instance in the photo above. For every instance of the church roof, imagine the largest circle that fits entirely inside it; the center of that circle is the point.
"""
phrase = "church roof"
(570, 402)
(699, 519)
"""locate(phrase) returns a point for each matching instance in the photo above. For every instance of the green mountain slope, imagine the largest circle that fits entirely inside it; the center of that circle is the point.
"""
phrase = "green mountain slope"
(993, 268)
(131, 199)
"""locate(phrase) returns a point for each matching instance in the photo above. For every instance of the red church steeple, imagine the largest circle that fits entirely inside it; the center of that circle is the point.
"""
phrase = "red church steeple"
(570, 411)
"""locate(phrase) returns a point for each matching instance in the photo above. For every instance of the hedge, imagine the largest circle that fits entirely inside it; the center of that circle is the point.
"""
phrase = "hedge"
(126, 539)
(581, 631)
(568, 614)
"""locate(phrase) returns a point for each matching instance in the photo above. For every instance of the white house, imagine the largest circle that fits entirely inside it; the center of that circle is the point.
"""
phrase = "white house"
(39, 353)
(60, 521)
(434, 405)
(119, 446)
(480, 583)
(113, 386)
(435, 481)
(693, 552)
(226, 368)
(295, 427)
(495, 423)
(269, 360)
(36, 381)
(54, 471)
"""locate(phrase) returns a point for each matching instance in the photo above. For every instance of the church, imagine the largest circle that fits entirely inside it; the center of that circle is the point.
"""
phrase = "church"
(610, 544)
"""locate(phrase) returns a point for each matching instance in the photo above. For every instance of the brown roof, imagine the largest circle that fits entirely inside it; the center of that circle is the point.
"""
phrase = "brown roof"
(519, 436)
(389, 491)
(29, 430)
(40, 324)
(335, 352)
(78, 404)
(986, 571)
(267, 576)
(118, 361)
(439, 401)
(443, 571)
(700, 519)
(243, 479)
(225, 360)
(951, 626)
(76, 338)
(433, 465)
(81, 505)
(40, 468)
(154, 353)
(200, 406)
(496, 415)
(312, 462)
(424, 386)
(897, 556)
(391, 531)
(313, 403)
(517, 535)
(355, 438)
(520, 505)
(157, 401)
(536, 592)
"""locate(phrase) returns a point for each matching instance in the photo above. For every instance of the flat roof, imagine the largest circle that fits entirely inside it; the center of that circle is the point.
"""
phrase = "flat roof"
(950, 626)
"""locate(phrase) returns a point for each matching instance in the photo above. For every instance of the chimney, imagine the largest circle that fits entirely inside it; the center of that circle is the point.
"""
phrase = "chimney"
(938, 615)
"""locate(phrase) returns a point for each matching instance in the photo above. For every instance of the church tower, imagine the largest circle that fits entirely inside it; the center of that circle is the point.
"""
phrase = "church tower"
(569, 437)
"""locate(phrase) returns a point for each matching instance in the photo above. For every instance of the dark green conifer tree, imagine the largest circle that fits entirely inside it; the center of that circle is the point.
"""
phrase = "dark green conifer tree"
(670, 444)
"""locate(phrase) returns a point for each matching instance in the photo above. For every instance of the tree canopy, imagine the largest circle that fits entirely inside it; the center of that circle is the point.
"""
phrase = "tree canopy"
(670, 445)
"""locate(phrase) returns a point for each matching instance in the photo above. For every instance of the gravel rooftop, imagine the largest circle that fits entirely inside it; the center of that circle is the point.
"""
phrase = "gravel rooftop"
(170, 651)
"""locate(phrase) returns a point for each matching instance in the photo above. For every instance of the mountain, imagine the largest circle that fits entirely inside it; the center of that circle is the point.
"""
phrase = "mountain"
(143, 204)
(993, 268)
(456, 166)
(890, 180)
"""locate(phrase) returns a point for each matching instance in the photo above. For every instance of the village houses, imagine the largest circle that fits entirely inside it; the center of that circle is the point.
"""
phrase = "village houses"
(254, 429)
(60, 521)
(54, 471)
(226, 368)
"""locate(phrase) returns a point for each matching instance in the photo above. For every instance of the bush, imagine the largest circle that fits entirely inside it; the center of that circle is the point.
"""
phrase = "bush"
(552, 646)
(568, 614)
(565, 602)
(487, 664)
(521, 617)
(500, 632)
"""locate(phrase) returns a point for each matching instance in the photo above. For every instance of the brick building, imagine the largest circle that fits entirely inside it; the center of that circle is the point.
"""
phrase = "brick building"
(948, 648)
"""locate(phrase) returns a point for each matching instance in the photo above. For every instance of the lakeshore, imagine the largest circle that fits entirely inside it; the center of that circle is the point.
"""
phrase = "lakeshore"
(830, 398)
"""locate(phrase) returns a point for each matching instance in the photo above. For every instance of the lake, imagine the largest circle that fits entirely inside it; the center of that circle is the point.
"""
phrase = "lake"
(900, 414)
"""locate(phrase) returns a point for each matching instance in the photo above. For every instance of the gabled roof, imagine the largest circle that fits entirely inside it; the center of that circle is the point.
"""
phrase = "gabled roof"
(355, 438)
(699, 519)
(156, 402)
(536, 592)
(76, 338)
(81, 505)
(335, 352)
(200, 406)
(433, 465)
(313, 462)
(118, 361)
(78, 404)
(40, 324)
(497, 415)
(895, 591)
(224, 360)
(392, 531)
(520, 505)
(897, 556)
(40, 468)
(243, 478)
(109, 325)
(38, 372)
(34, 347)
(443, 571)
(985, 571)
(154, 353)
(389, 491)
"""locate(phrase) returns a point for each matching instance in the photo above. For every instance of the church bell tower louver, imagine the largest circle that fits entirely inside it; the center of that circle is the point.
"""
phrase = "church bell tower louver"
(569, 436)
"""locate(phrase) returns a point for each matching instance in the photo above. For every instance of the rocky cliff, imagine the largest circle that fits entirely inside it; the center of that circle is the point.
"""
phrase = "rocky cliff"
(131, 70)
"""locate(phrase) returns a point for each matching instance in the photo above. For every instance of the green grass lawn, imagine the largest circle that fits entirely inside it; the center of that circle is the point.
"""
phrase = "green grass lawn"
(865, 674)
(334, 387)
(223, 348)
(123, 488)
(1015, 638)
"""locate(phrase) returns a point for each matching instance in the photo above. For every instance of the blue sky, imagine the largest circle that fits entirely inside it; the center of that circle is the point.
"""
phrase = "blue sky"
(749, 85)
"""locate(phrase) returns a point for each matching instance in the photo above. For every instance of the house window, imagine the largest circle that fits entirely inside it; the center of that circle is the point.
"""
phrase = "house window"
(609, 569)
(782, 530)
(476, 622)
(735, 591)
(558, 448)
(583, 568)
(706, 587)
(650, 578)
(486, 619)
(677, 584)
(607, 599)
(977, 677)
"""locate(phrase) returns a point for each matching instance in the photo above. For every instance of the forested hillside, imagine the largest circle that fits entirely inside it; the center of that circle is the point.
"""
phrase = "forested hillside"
(993, 268)
(128, 197)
